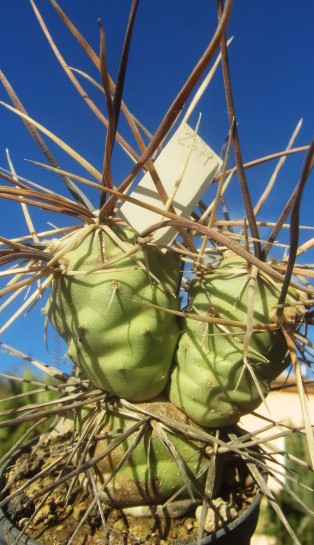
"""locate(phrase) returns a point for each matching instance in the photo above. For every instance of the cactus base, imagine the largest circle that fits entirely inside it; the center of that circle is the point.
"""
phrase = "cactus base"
(236, 497)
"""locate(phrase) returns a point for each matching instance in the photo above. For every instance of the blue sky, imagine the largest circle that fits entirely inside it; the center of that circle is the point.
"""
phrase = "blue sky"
(272, 78)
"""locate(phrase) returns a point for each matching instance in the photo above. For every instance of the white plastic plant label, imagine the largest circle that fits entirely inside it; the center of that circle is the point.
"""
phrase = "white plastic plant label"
(185, 166)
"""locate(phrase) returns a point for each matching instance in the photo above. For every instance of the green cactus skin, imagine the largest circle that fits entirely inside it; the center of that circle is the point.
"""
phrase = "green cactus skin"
(124, 347)
(209, 382)
(151, 476)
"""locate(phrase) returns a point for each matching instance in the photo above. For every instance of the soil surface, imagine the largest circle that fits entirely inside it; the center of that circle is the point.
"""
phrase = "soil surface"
(50, 508)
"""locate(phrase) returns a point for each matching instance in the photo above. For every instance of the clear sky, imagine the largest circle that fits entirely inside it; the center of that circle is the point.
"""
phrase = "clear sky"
(272, 77)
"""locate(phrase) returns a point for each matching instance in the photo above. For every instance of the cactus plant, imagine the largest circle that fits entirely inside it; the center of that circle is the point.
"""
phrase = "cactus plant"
(216, 380)
(146, 424)
(122, 347)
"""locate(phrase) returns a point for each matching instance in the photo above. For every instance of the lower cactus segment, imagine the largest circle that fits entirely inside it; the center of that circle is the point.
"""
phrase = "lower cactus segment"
(149, 465)
(217, 378)
(97, 304)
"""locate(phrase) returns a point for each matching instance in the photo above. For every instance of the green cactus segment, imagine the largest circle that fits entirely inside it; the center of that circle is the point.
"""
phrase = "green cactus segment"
(150, 475)
(123, 346)
(211, 382)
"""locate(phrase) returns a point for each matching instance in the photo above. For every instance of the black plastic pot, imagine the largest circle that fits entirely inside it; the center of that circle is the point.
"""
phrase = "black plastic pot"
(9, 533)
(239, 531)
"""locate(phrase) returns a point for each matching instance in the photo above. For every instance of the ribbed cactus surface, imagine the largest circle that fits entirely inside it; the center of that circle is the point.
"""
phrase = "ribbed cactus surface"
(97, 304)
(221, 373)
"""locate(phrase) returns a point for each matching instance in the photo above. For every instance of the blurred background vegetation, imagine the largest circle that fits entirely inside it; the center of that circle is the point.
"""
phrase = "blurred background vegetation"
(21, 393)
(303, 487)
